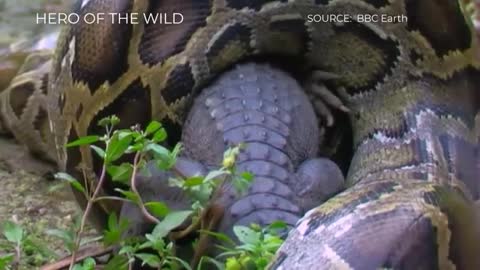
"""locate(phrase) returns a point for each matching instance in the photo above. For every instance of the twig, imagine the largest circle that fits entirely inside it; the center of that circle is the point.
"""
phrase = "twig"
(133, 186)
(90, 203)
(178, 172)
(95, 251)
(18, 255)
(110, 198)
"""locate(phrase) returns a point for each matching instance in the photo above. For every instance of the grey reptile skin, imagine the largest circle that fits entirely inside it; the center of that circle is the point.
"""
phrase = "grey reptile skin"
(256, 105)
(267, 110)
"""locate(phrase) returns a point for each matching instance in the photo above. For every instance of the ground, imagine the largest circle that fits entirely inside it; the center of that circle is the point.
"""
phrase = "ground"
(34, 200)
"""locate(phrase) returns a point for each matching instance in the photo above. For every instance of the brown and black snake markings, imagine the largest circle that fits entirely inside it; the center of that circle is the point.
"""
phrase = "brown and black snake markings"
(411, 88)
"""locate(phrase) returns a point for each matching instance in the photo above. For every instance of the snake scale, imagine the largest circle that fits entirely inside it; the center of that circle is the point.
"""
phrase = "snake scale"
(412, 89)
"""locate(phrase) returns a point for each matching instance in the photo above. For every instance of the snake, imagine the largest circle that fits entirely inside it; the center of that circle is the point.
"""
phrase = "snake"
(410, 87)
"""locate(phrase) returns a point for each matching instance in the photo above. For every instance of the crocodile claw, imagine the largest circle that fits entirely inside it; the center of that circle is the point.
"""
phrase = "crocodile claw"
(322, 97)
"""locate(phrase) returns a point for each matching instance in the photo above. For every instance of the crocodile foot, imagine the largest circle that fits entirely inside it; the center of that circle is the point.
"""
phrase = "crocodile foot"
(322, 97)
(318, 180)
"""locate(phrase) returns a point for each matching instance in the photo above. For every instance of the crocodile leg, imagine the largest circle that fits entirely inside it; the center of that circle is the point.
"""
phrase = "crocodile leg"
(265, 109)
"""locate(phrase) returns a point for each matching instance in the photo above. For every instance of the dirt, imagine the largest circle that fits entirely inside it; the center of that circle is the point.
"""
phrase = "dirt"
(33, 199)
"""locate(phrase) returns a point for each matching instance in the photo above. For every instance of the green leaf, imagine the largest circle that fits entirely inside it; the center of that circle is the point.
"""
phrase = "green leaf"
(122, 133)
(89, 264)
(272, 243)
(182, 262)
(277, 225)
(248, 247)
(13, 232)
(111, 120)
(104, 122)
(246, 235)
(151, 260)
(205, 259)
(220, 236)
(137, 136)
(161, 154)
(88, 240)
(68, 237)
(118, 262)
(214, 174)
(158, 150)
(67, 177)
(176, 151)
(240, 184)
(167, 159)
(148, 244)
(126, 250)
(152, 127)
(261, 262)
(121, 173)
(99, 151)
(115, 228)
(233, 264)
(170, 222)
(112, 221)
(203, 192)
(247, 176)
(84, 140)
(160, 135)
(158, 209)
(53, 188)
(111, 237)
(6, 260)
(137, 147)
(117, 147)
(194, 181)
(229, 252)
(38, 246)
(154, 242)
(132, 196)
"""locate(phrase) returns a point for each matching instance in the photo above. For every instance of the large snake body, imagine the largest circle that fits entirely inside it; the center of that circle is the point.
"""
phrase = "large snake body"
(412, 89)
(413, 180)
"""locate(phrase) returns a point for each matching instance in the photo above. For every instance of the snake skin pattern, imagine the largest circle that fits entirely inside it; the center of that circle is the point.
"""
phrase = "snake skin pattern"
(411, 88)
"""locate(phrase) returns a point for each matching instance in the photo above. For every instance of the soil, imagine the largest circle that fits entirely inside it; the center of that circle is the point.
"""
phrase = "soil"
(31, 197)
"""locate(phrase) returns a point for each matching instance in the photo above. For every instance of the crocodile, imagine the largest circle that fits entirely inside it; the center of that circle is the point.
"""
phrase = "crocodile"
(256, 105)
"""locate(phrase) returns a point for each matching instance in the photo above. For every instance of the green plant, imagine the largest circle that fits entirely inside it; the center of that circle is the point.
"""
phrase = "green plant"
(258, 244)
(21, 247)
(145, 147)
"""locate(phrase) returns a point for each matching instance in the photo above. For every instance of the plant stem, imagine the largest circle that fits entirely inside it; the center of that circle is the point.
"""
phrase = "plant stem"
(110, 198)
(178, 172)
(133, 186)
(18, 255)
(90, 203)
